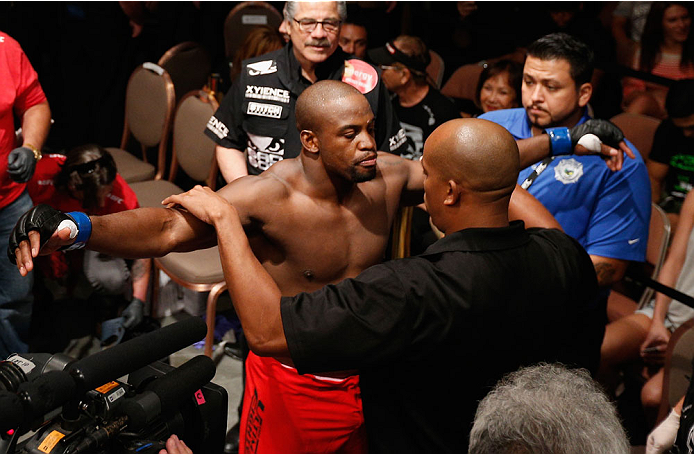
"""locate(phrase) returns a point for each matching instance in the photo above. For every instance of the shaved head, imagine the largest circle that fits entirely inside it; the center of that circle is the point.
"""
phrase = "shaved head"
(311, 107)
(478, 154)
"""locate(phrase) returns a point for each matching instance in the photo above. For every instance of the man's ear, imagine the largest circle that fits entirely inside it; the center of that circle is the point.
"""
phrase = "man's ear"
(585, 91)
(309, 140)
(452, 193)
(406, 75)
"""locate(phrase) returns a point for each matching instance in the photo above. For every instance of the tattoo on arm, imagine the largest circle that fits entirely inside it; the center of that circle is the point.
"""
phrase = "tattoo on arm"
(606, 273)
(138, 270)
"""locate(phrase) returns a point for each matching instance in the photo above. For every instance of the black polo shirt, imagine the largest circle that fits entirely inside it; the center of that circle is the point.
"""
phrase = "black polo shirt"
(431, 334)
(257, 114)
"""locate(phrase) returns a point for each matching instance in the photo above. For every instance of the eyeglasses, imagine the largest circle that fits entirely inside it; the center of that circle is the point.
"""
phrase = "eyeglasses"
(394, 68)
(308, 25)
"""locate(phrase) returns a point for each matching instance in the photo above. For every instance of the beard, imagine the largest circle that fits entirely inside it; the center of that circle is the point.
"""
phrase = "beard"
(360, 174)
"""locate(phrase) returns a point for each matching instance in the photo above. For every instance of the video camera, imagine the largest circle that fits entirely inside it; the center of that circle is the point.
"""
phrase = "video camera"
(84, 406)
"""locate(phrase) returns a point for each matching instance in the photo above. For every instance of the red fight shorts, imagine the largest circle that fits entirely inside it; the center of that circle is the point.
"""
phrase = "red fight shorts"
(288, 413)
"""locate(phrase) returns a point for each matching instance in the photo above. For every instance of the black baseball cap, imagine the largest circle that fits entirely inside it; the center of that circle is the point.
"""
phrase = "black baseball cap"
(389, 54)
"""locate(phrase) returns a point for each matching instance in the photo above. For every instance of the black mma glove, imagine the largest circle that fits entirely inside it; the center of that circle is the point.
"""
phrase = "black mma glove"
(606, 131)
(21, 164)
(42, 218)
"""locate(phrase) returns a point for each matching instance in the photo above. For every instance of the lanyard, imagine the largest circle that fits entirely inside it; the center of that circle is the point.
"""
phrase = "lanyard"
(538, 170)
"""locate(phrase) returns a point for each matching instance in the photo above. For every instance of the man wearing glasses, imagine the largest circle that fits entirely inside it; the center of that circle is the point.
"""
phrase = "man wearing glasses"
(254, 126)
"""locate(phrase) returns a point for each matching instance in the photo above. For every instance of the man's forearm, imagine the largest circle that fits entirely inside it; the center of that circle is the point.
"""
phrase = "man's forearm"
(140, 273)
(148, 232)
(533, 150)
(254, 293)
(608, 270)
(36, 122)
(232, 163)
(527, 208)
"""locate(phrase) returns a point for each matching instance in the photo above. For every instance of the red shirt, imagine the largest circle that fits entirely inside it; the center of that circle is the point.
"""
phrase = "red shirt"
(19, 90)
(42, 190)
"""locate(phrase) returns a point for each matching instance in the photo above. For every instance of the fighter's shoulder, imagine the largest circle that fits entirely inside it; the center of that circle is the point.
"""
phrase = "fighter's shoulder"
(250, 189)
(394, 166)
(386, 159)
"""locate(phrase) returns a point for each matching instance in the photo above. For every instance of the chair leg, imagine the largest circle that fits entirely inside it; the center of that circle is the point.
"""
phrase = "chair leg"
(211, 314)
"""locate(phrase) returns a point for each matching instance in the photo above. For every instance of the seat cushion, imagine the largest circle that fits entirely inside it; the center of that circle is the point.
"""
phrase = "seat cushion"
(131, 168)
(151, 193)
(197, 267)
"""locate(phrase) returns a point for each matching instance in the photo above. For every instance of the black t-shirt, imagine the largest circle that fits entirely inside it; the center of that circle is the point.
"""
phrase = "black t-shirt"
(672, 148)
(420, 120)
(430, 335)
(257, 114)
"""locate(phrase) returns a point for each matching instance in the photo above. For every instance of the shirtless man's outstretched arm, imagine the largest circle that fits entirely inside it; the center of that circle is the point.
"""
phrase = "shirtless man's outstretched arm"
(139, 233)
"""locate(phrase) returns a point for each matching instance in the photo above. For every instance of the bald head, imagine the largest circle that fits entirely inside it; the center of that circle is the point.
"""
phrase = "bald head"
(312, 107)
(478, 154)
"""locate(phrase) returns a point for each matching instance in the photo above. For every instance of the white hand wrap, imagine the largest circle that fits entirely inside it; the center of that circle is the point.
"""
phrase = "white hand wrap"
(663, 437)
(591, 142)
(68, 224)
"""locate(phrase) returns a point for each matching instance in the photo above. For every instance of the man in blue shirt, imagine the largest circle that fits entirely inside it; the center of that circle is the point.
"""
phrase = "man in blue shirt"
(607, 212)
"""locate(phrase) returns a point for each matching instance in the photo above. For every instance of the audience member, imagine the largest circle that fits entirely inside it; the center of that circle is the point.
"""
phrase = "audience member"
(671, 162)
(499, 86)
(628, 22)
(354, 39)
(547, 408)
(420, 107)
(305, 215)
(414, 362)
(645, 333)
(261, 40)
(666, 50)
(86, 180)
(607, 212)
(21, 98)
(257, 115)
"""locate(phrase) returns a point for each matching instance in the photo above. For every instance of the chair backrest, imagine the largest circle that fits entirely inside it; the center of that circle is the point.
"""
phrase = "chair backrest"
(149, 105)
(241, 20)
(436, 68)
(677, 371)
(656, 249)
(639, 129)
(189, 65)
(463, 83)
(194, 152)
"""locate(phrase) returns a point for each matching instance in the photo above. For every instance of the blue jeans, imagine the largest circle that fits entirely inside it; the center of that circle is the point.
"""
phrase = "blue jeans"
(15, 291)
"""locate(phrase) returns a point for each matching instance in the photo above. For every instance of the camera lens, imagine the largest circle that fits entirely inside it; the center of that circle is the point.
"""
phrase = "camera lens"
(11, 376)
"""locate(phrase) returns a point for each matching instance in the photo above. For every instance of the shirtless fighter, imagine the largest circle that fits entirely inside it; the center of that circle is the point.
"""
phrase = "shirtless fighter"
(311, 221)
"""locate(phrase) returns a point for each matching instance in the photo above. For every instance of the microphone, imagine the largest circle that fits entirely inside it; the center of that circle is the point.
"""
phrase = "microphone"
(166, 394)
(35, 398)
(12, 411)
(121, 359)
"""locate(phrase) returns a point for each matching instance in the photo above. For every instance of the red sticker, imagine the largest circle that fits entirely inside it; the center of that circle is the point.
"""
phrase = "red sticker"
(199, 397)
(360, 75)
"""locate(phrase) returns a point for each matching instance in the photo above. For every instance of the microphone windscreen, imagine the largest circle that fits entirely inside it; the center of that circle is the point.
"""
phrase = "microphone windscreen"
(121, 359)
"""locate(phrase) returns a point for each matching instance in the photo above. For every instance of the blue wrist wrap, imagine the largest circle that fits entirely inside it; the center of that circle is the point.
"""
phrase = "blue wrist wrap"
(84, 227)
(559, 141)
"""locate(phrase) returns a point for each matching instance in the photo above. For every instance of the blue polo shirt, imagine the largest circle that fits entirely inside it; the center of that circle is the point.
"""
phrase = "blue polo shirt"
(607, 212)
